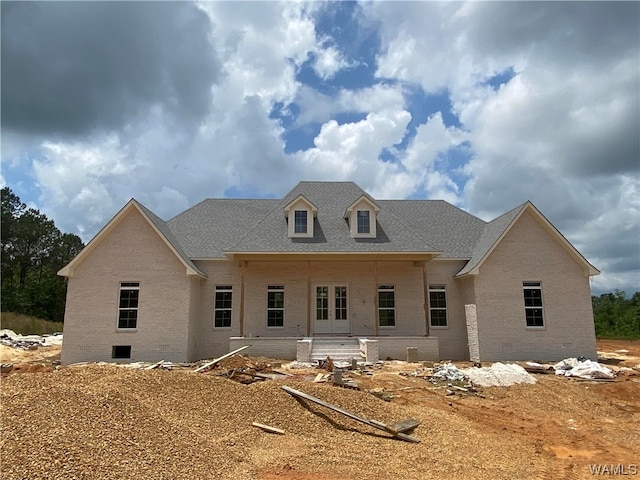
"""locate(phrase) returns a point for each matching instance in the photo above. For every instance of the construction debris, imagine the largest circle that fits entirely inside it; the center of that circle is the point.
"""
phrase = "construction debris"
(267, 428)
(534, 367)
(372, 423)
(498, 375)
(586, 369)
(29, 342)
(210, 364)
(448, 372)
(341, 381)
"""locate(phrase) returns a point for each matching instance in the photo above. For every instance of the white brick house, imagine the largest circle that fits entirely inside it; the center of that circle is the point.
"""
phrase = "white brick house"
(327, 260)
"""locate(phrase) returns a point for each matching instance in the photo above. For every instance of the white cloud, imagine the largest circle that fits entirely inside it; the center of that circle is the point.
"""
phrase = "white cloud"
(352, 150)
(317, 107)
(329, 61)
(562, 132)
(75, 180)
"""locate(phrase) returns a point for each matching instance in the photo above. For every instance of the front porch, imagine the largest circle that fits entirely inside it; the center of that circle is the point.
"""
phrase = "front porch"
(368, 349)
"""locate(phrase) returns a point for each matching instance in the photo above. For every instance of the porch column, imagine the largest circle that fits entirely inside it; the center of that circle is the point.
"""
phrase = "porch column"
(309, 300)
(425, 287)
(375, 299)
(243, 266)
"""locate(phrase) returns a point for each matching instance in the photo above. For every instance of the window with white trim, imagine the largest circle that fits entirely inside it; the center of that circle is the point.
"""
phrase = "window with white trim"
(275, 306)
(532, 292)
(223, 306)
(387, 305)
(300, 221)
(364, 221)
(438, 305)
(128, 305)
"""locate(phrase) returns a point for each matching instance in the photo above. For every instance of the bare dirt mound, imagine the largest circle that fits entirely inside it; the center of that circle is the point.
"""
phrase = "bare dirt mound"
(103, 421)
(110, 422)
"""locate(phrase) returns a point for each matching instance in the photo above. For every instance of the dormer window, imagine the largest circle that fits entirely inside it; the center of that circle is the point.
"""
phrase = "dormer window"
(300, 221)
(364, 221)
(361, 216)
(300, 214)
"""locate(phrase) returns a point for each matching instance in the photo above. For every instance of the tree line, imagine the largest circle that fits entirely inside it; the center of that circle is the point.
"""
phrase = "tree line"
(33, 250)
(616, 316)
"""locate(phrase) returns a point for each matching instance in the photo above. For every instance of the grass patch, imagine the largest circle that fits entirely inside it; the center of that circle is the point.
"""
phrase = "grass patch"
(27, 325)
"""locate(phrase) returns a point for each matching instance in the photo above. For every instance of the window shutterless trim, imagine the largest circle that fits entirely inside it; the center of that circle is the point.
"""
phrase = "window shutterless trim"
(300, 221)
(275, 314)
(440, 310)
(387, 306)
(363, 219)
(533, 305)
(128, 304)
(222, 307)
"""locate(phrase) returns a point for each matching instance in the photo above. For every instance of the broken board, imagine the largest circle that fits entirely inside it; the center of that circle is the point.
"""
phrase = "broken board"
(371, 423)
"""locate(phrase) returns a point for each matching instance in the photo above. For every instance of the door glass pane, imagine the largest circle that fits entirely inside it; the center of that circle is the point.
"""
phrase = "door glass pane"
(341, 303)
(322, 303)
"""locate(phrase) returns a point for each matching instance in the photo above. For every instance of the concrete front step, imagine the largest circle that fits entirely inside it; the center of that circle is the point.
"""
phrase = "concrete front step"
(312, 349)
(336, 348)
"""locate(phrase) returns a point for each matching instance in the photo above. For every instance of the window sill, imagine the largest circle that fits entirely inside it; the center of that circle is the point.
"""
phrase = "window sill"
(439, 327)
(125, 330)
(222, 328)
(387, 327)
(275, 327)
(543, 327)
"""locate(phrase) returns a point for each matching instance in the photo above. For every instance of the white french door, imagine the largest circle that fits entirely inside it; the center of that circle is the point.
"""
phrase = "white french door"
(331, 309)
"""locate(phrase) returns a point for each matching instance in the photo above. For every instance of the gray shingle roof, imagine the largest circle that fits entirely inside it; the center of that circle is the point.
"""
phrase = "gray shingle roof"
(489, 237)
(447, 228)
(331, 230)
(164, 229)
(215, 226)
(209, 228)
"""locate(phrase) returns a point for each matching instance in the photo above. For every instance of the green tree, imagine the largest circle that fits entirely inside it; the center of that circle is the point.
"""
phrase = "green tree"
(33, 250)
(615, 316)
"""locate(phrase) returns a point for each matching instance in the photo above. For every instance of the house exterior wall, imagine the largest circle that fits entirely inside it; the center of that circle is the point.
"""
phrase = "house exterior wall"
(452, 338)
(131, 252)
(210, 342)
(299, 279)
(528, 252)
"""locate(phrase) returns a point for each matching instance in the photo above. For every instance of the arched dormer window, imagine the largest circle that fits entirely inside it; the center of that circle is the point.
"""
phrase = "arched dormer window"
(361, 216)
(300, 214)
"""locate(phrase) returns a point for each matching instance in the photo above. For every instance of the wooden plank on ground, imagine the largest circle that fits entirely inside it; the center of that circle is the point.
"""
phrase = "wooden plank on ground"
(371, 423)
(213, 362)
(155, 365)
(267, 428)
(405, 425)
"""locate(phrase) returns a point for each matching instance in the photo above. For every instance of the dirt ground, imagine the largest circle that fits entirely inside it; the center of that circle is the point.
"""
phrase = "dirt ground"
(102, 421)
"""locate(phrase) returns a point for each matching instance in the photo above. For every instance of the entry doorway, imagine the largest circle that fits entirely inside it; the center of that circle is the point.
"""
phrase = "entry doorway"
(331, 309)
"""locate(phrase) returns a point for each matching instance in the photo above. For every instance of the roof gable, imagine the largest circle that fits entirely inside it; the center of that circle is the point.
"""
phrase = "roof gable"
(498, 228)
(300, 199)
(364, 198)
(155, 222)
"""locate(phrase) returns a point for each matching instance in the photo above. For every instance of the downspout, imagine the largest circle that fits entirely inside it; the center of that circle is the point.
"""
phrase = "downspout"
(243, 265)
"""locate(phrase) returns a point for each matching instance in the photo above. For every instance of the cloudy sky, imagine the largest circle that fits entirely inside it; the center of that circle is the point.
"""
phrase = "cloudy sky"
(485, 105)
